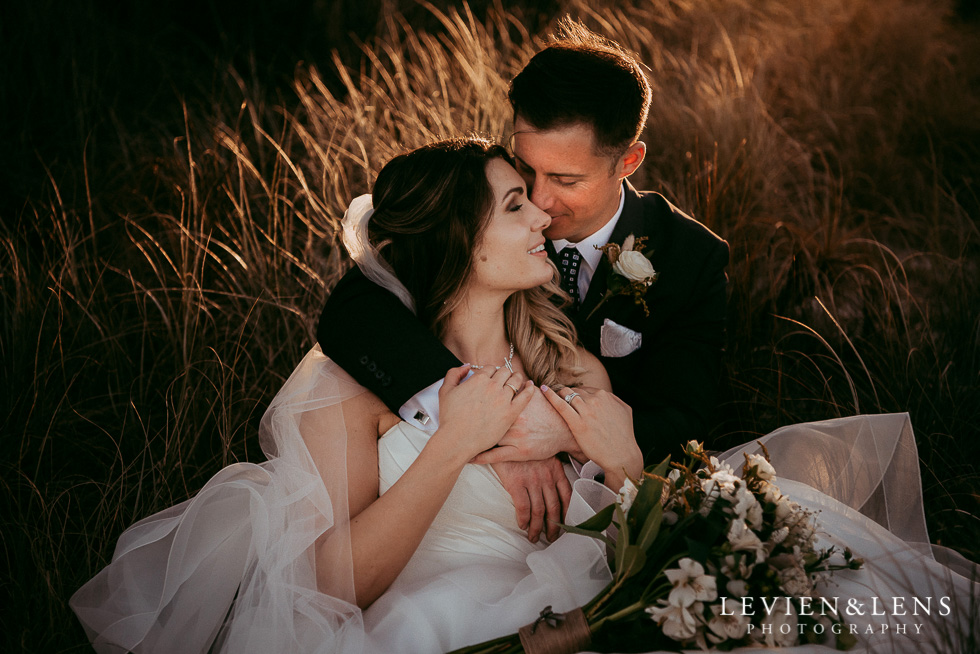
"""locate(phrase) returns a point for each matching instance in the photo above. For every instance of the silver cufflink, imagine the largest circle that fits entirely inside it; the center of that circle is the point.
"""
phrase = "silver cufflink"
(421, 418)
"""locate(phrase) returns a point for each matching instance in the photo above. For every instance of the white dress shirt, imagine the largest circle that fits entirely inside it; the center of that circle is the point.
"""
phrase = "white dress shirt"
(587, 248)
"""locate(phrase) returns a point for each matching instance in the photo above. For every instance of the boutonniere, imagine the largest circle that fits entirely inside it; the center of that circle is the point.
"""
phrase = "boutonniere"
(633, 274)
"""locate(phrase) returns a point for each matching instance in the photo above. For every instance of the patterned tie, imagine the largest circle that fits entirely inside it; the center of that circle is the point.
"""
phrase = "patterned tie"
(569, 261)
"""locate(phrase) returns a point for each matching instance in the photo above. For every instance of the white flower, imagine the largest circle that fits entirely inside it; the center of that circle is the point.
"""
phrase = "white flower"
(763, 469)
(718, 466)
(746, 507)
(802, 530)
(737, 588)
(693, 447)
(754, 515)
(744, 539)
(627, 494)
(720, 483)
(777, 635)
(723, 476)
(736, 566)
(691, 584)
(803, 534)
(786, 512)
(770, 493)
(778, 536)
(635, 267)
(795, 582)
(724, 626)
(678, 622)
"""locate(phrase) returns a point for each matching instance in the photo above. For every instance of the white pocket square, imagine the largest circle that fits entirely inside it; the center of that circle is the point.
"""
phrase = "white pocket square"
(616, 340)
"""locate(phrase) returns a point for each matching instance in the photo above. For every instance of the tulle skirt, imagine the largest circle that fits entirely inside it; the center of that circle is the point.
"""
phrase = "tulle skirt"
(259, 560)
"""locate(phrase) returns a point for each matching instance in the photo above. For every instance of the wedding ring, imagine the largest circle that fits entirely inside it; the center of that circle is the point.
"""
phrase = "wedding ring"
(571, 396)
(511, 387)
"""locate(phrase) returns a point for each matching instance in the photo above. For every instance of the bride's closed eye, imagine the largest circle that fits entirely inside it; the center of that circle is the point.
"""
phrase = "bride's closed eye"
(516, 207)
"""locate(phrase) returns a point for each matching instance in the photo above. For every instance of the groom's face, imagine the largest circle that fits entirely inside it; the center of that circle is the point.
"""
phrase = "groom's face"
(565, 177)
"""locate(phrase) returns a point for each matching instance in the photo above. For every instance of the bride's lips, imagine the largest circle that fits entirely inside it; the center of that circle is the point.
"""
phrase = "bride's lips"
(538, 249)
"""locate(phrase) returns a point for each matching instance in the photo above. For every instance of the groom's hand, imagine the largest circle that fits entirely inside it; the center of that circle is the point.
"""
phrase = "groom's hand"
(541, 493)
(538, 433)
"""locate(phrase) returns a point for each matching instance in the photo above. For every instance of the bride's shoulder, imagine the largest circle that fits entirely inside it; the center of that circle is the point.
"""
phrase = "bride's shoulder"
(366, 412)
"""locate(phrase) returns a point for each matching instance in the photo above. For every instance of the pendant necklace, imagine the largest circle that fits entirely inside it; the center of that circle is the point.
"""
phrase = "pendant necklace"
(508, 362)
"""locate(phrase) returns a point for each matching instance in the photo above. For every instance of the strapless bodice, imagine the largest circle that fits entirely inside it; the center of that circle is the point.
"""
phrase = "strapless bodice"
(476, 522)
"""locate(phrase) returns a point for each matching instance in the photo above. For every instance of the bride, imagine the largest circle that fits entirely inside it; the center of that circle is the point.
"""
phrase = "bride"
(361, 533)
(289, 555)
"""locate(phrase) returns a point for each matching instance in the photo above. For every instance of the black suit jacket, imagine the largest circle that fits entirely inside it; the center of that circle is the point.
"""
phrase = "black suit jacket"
(669, 381)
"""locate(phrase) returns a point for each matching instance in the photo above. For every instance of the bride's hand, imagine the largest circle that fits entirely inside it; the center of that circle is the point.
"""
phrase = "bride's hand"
(475, 413)
(602, 425)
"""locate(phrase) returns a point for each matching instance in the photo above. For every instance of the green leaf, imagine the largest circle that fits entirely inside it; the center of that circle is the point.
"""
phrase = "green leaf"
(661, 468)
(634, 558)
(698, 549)
(599, 521)
(651, 527)
(622, 539)
(845, 640)
(591, 534)
(648, 495)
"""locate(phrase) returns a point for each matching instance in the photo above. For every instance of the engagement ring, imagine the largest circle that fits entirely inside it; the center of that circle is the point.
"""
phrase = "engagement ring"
(571, 396)
(511, 387)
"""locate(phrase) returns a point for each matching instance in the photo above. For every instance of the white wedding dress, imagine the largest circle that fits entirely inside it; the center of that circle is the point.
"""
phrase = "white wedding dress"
(233, 569)
(475, 576)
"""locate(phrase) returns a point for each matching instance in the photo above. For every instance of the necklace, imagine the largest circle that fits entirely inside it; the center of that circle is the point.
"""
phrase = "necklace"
(507, 362)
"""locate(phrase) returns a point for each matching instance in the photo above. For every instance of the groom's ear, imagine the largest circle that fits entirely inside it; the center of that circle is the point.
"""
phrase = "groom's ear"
(632, 159)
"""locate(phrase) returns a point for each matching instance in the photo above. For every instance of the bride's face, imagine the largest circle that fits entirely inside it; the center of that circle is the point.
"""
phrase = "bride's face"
(511, 254)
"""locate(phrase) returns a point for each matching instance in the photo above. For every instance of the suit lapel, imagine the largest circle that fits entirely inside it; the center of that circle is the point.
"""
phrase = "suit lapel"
(630, 222)
(549, 247)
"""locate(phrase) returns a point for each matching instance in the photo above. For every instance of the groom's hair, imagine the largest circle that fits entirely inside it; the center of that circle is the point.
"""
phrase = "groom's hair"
(431, 207)
(582, 77)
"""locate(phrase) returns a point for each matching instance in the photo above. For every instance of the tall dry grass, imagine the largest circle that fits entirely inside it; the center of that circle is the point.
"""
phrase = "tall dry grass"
(146, 323)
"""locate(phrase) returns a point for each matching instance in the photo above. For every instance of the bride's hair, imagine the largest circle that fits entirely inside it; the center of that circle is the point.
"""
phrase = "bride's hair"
(431, 208)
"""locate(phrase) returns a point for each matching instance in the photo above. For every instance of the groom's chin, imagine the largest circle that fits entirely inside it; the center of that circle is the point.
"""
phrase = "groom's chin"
(555, 232)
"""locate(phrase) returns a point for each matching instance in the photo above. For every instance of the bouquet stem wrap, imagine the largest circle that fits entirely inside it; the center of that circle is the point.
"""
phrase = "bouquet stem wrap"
(566, 633)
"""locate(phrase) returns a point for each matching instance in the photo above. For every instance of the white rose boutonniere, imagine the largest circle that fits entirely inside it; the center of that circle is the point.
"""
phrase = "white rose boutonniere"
(635, 267)
(633, 274)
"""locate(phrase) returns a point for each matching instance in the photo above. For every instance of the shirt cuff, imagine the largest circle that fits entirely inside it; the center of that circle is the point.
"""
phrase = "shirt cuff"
(422, 409)
(587, 470)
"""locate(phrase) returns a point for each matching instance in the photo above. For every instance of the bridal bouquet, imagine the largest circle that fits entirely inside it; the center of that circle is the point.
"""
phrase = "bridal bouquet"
(703, 557)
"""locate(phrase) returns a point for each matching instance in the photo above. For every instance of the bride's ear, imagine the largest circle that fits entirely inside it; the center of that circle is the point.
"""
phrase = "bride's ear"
(632, 159)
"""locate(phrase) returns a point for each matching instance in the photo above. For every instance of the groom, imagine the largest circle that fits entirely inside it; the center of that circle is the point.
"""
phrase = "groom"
(579, 109)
